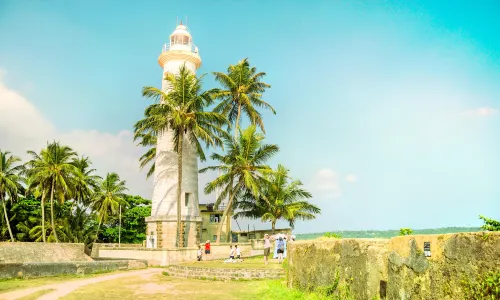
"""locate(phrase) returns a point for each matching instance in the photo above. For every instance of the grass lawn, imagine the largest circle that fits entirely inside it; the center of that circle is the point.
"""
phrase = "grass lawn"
(248, 263)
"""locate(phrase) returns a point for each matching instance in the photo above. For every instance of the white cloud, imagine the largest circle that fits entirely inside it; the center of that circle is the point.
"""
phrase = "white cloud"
(351, 178)
(482, 112)
(23, 127)
(325, 185)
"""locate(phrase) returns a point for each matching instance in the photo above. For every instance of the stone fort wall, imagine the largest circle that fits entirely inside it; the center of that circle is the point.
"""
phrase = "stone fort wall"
(395, 268)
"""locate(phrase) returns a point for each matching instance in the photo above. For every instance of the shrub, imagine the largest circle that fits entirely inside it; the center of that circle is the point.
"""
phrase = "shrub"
(485, 287)
(490, 224)
(405, 231)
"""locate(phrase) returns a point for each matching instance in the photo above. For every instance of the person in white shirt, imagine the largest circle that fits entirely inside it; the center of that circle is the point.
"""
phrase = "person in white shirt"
(267, 248)
(199, 253)
(238, 253)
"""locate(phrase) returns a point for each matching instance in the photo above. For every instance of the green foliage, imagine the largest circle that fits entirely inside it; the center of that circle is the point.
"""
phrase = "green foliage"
(486, 286)
(332, 235)
(405, 231)
(490, 224)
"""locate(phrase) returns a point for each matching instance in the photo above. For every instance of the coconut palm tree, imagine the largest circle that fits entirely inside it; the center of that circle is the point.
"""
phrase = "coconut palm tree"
(109, 197)
(148, 158)
(279, 199)
(10, 182)
(241, 91)
(52, 171)
(243, 168)
(86, 181)
(181, 111)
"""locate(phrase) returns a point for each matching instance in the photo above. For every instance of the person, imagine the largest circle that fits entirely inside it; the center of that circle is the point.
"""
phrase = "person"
(267, 248)
(199, 253)
(238, 253)
(281, 249)
(207, 248)
(231, 253)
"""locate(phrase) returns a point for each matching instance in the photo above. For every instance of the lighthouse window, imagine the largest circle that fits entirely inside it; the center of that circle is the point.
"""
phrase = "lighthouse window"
(187, 198)
(185, 40)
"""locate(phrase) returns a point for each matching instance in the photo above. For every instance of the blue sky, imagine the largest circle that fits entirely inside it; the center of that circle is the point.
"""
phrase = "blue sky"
(388, 112)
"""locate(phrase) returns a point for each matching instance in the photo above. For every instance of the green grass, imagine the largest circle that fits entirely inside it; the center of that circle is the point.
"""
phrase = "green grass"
(248, 263)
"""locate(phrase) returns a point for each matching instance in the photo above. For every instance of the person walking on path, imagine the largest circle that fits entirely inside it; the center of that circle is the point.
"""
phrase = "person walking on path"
(281, 249)
(267, 248)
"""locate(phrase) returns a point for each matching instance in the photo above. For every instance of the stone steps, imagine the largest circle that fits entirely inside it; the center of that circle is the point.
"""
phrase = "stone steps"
(224, 274)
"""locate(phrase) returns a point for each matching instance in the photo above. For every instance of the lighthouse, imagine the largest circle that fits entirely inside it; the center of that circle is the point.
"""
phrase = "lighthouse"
(162, 224)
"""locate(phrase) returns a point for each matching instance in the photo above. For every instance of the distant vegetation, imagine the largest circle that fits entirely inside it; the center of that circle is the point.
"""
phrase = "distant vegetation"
(385, 234)
(332, 235)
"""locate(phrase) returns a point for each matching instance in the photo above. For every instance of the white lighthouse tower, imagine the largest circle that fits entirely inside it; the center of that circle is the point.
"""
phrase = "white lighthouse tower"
(162, 225)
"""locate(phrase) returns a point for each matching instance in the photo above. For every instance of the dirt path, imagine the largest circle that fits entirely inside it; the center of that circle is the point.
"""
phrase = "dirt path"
(63, 289)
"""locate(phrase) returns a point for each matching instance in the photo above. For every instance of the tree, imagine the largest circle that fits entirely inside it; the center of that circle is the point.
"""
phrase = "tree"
(243, 168)
(181, 111)
(148, 140)
(109, 197)
(53, 171)
(405, 231)
(86, 182)
(279, 199)
(10, 182)
(242, 91)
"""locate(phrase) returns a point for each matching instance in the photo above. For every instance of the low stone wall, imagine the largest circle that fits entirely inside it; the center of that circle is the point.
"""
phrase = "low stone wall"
(32, 270)
(165, 257)
(396, 268)
(224, 274)
(42, 252)
(359, 263)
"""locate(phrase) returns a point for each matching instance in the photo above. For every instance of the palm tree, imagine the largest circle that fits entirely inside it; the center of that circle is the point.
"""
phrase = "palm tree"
(108, 198)
(279, 199)
(53, 171)
(242, 91)
(148, 140)
(86, 182)
(243, 168)
(181, 111)
(10, 182)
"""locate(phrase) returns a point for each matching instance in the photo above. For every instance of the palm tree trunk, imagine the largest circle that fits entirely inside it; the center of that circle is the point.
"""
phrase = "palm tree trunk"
(97, 233)
(273, 227)
(236, 127)
(179, 188)
(43, 217)
(52, 210)
(231, 198)
(6, 217)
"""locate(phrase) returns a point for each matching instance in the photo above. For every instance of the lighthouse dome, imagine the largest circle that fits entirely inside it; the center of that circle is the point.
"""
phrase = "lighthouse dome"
(181, 37)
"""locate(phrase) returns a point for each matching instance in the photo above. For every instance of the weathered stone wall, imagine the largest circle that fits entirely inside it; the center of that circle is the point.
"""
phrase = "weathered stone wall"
(42, 252)
(396, 268)
(224, 273)
(31, 270)
(454, 258)
(359, 263)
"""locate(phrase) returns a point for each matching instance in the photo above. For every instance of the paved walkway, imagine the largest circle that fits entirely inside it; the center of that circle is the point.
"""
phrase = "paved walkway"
(65, 288)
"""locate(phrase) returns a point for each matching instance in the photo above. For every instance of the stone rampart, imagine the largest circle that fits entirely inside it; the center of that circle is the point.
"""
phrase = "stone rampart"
(397, 268)
(42, 252)
(43, 269)
(224, 274)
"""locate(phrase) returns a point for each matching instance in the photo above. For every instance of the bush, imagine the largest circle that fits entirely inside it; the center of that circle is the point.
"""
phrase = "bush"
(405, 231)
(485, 287)
(490, 224)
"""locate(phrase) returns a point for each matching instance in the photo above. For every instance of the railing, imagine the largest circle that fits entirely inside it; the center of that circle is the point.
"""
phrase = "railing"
(166, 47)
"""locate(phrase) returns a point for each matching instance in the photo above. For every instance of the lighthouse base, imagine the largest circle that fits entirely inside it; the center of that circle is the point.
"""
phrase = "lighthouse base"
(162, 232)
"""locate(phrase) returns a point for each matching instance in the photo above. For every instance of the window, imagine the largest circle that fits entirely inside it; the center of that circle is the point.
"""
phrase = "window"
(187, 197)
(215, 218)
(214, 238)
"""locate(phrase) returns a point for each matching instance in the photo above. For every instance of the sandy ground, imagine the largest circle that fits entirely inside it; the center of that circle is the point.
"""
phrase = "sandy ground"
(65, 288)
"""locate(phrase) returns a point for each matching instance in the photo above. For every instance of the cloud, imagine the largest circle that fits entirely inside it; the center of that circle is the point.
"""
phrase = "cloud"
(325, 185)
(23, 127)
(351, 178)
(482, 112)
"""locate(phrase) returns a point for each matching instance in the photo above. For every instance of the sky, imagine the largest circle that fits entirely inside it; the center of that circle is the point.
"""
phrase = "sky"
(389, 113)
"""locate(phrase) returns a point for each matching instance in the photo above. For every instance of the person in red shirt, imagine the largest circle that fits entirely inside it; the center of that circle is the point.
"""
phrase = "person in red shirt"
(207, 248)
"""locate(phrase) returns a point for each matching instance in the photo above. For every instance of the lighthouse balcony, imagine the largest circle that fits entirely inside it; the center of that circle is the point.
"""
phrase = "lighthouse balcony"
(180, 46)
